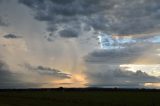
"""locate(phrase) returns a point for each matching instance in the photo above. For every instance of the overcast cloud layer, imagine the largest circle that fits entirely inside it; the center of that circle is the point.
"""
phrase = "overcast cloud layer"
(111, 16)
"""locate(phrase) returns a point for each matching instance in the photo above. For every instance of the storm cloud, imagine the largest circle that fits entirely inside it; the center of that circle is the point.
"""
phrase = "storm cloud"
(111, 16)
(130, 58)
(123, 56)
(68, 33)
(120, 78)
(9, 79)
(103, 66)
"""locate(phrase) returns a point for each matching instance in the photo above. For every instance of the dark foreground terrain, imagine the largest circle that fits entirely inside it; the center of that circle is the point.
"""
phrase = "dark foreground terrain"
(79, 97)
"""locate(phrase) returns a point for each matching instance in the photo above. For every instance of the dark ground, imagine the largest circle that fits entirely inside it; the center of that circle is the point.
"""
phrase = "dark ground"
(79, 97)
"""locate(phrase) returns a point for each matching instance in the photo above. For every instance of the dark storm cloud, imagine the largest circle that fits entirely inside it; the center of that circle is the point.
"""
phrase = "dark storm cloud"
(9, 80)
(3, 72)
(119, 78)
(111, 16)
(68, 13)
(106, 56)
(48, 71)
(68, 33)
(123, 56)
(11, 36)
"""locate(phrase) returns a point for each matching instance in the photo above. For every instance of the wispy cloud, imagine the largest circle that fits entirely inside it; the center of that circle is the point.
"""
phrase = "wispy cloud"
(46, 71)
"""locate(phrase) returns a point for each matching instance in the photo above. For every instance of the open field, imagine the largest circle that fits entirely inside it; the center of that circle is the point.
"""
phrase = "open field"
(79, 98)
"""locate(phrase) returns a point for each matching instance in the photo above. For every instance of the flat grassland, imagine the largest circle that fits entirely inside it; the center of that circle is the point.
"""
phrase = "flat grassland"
(79, 98)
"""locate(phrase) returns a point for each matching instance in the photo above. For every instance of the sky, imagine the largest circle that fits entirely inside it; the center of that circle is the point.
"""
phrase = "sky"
(79, 43)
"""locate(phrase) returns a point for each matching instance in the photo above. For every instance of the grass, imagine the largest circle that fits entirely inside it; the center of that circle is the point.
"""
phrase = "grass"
(79, 98)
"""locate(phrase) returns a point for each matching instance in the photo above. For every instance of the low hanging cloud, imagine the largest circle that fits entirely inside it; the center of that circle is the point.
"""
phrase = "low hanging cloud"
(5, 75)
(119, 78)
(110, 16)
(123, 56)
(103, 66)
(11, 36)
(9, 80)
(46, 71)
(29, 79)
